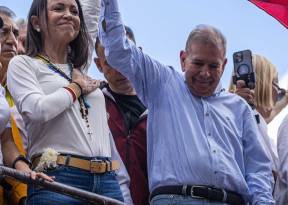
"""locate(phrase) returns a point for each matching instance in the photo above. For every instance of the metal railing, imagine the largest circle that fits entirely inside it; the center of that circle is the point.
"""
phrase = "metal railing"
(59, 188)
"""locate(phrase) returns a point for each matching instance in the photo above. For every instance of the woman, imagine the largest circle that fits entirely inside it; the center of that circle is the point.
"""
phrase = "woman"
(263, 97)
(63, 109)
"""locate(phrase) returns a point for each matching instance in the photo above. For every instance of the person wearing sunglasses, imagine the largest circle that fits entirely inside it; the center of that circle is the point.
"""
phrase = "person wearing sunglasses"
(263, 97)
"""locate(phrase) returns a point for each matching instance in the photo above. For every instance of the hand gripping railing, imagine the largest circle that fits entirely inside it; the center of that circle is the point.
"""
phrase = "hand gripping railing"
(59, 188)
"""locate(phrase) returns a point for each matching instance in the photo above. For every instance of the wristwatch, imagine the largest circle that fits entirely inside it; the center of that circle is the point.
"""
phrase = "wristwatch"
(22, 158)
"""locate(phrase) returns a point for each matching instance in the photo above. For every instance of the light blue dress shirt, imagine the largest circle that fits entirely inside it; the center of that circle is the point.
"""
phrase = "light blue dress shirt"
(191, 140)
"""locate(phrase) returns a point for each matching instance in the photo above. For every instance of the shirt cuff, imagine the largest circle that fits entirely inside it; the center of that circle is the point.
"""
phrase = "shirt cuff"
(69, 95)
(110, 6)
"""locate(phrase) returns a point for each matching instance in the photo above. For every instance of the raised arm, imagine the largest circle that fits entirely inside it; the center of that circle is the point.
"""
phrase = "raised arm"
(258, 168)
(146, 74)
(91, 11)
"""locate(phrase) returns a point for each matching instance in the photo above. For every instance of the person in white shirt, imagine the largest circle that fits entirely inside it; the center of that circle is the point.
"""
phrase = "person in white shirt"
(282, 148)
(4, 112)
(4, 108)
(63, 109)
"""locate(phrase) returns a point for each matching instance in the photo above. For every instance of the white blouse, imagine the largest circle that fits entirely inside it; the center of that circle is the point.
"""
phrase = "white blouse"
(51, 117)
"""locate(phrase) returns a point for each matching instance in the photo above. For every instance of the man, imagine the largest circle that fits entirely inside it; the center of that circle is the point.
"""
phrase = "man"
(22, 25)
(4, 108)
(15, 131)
(127, 122)
(203, 143)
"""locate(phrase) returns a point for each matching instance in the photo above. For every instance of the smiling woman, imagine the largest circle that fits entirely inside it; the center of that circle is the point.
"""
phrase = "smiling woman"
(61, 24)
(62, 107)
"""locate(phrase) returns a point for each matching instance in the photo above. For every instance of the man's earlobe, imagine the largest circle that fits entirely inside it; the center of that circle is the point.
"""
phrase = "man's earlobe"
(183, 56)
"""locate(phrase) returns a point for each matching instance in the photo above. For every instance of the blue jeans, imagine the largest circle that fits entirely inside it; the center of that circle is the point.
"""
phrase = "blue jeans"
(165, 199)
(104, 184)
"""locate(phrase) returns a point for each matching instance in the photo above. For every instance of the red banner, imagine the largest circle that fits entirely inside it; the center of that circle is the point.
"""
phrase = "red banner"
(276, 8)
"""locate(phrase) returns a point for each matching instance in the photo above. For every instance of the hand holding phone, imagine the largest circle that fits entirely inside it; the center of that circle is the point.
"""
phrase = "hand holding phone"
(243, 68)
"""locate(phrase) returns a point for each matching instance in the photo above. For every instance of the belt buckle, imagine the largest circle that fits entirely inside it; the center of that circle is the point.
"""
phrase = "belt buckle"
(96, 166)
(192, 192)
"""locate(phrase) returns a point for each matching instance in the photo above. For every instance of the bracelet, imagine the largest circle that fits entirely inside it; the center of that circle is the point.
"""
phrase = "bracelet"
(81, 91)
(72, 93)
(21, 158)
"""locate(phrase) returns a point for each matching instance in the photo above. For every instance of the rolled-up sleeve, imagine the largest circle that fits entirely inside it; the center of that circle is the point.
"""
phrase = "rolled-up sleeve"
(145, 73)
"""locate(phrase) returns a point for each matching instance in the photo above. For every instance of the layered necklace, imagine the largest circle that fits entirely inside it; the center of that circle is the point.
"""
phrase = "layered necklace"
(82, 100)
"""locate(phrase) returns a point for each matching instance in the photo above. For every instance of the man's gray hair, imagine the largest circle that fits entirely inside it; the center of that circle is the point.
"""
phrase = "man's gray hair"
(7, 12)
(21, 23)
(208, 35)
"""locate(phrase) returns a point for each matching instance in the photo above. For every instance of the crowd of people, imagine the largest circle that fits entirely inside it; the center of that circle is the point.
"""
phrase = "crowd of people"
(147, 134)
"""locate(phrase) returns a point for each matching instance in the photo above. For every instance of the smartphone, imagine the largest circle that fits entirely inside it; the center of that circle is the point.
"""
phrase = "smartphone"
(243, 68)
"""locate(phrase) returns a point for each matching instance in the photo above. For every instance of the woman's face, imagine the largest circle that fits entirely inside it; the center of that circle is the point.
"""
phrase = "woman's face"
(63, 22)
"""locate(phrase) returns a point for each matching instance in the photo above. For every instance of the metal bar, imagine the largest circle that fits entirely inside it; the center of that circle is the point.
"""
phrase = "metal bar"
(59, 188)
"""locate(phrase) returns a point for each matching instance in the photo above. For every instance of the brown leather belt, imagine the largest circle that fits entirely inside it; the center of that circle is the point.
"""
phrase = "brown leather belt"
(93, 166)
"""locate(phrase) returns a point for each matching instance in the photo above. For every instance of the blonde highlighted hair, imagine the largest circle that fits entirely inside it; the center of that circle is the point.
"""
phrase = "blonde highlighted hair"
(266, 74)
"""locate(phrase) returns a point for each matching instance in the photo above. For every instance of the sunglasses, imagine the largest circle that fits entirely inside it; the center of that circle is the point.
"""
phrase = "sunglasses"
(280, 91)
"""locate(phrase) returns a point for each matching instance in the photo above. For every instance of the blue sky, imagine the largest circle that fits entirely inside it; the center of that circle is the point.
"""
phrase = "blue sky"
(162, 26)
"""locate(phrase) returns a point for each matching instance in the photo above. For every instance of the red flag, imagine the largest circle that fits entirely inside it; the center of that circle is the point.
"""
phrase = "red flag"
(276, 8)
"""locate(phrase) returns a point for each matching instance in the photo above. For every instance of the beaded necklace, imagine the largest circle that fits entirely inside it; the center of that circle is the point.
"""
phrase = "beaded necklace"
(82, 100)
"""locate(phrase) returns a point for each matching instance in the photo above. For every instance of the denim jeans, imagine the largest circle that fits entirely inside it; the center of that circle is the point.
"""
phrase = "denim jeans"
(104, 184)
(170, 199)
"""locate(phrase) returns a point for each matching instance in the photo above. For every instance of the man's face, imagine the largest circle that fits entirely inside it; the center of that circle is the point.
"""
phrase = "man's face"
(22, 40)
(114, 78)
(203, 65)
(8, 40)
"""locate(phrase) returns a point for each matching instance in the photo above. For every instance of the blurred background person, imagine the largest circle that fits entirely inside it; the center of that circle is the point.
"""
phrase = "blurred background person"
(4, 118)
(22, 26)
(14, 135)
(128, 123)
(282, 148)
(263, 98)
